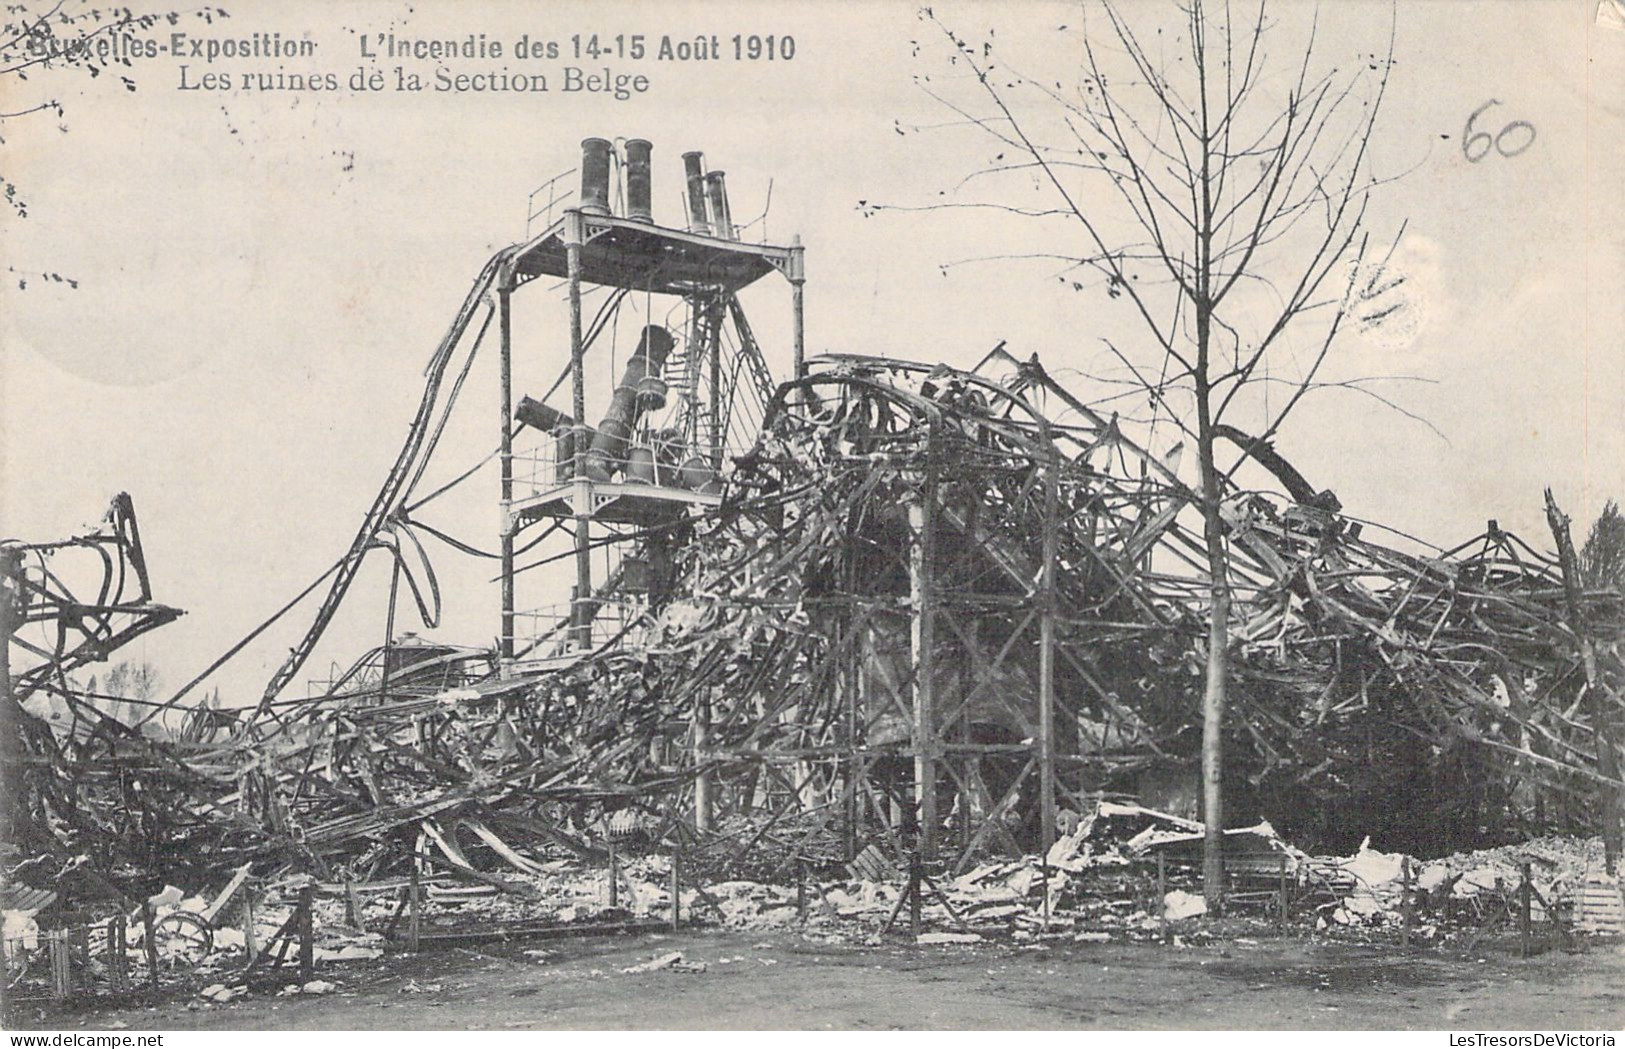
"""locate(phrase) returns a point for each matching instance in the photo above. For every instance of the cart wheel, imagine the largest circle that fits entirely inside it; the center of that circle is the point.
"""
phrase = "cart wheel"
(183, 940)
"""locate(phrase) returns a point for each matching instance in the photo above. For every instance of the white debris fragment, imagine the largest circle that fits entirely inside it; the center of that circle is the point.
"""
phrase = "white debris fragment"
(352, 952)
(665, 961)
(998, 911)
(927, 938)
(1023, 881)
(413, 987)
(1178, 905)
(1364, 905)
(20, 927)
(1372, 868)
(1475, 881)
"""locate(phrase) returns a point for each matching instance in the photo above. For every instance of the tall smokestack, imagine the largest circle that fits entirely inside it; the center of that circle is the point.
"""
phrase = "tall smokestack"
(595, 176)
(721, 218)
(694, 168)
(639, 203)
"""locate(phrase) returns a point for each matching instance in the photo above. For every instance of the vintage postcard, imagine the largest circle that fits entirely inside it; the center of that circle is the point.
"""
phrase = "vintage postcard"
(1092, 515)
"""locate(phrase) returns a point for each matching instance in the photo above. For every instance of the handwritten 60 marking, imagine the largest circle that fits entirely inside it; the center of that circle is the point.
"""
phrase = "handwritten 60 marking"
(1522, 133)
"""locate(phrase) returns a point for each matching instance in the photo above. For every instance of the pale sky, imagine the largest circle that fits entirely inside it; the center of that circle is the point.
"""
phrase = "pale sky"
(262, 277)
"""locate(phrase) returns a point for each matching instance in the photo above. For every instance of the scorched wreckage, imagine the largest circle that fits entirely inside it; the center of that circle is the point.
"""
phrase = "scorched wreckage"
(885, 613)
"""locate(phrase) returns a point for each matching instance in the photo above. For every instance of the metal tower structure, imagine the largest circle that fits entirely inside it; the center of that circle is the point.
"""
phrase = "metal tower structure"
(685, 398)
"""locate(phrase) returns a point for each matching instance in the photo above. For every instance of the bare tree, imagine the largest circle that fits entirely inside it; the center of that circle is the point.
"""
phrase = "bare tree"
(128, 681)
(43, 47)
(1602, 558)
(1220, 193)
(1596, 693)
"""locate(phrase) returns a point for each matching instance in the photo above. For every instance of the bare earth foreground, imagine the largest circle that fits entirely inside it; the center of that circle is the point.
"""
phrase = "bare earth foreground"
(783, 981)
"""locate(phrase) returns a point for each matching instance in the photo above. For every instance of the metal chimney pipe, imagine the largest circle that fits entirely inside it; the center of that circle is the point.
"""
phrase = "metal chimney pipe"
(721, 218)
(694, 169)
(539, 416)
(639, 195)
(607, 453)
(595, 176)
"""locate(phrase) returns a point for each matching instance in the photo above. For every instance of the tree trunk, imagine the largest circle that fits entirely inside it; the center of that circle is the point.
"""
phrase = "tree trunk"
(1213, 692)
(1596, 693)
(1218, 628)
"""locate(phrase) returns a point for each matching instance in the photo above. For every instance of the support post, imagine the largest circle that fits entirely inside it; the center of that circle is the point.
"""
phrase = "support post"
(1043, 873)
(61, 970)
(921, 515)
(851, 700)
(797, 272)
(307, 934)
(1046, 654)
(691, 369)
(1525, 913)
(713, 357)
(1282, 902)
(251, 936)
(352, 906)
(702, 779)
(1406, 909)
(117, 948)
(1162, 895)
(574, 236)
(915, 873)
(614, 877)
(413, 905)
(676, 889)
(505, 644)
(149, 942)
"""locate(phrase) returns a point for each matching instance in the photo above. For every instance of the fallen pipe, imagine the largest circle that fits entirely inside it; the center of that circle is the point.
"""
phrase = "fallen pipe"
(562, 428)
(539, 416)
(609, 443)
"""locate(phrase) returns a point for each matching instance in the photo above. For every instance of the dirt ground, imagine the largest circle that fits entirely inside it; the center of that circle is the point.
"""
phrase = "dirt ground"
(781, 981)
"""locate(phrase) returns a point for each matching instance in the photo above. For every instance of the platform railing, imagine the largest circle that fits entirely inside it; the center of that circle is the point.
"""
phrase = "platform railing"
(653, 459)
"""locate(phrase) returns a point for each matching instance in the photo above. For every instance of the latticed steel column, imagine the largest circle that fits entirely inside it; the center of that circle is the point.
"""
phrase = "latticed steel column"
(505, 635)
(580, 609)
(1046, 652)
(922, 517)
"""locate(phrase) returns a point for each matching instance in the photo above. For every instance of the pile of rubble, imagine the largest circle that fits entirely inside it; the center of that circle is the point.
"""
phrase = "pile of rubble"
(1104, 880)
(764, 709)
(1121, 873)
(1482, 887)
